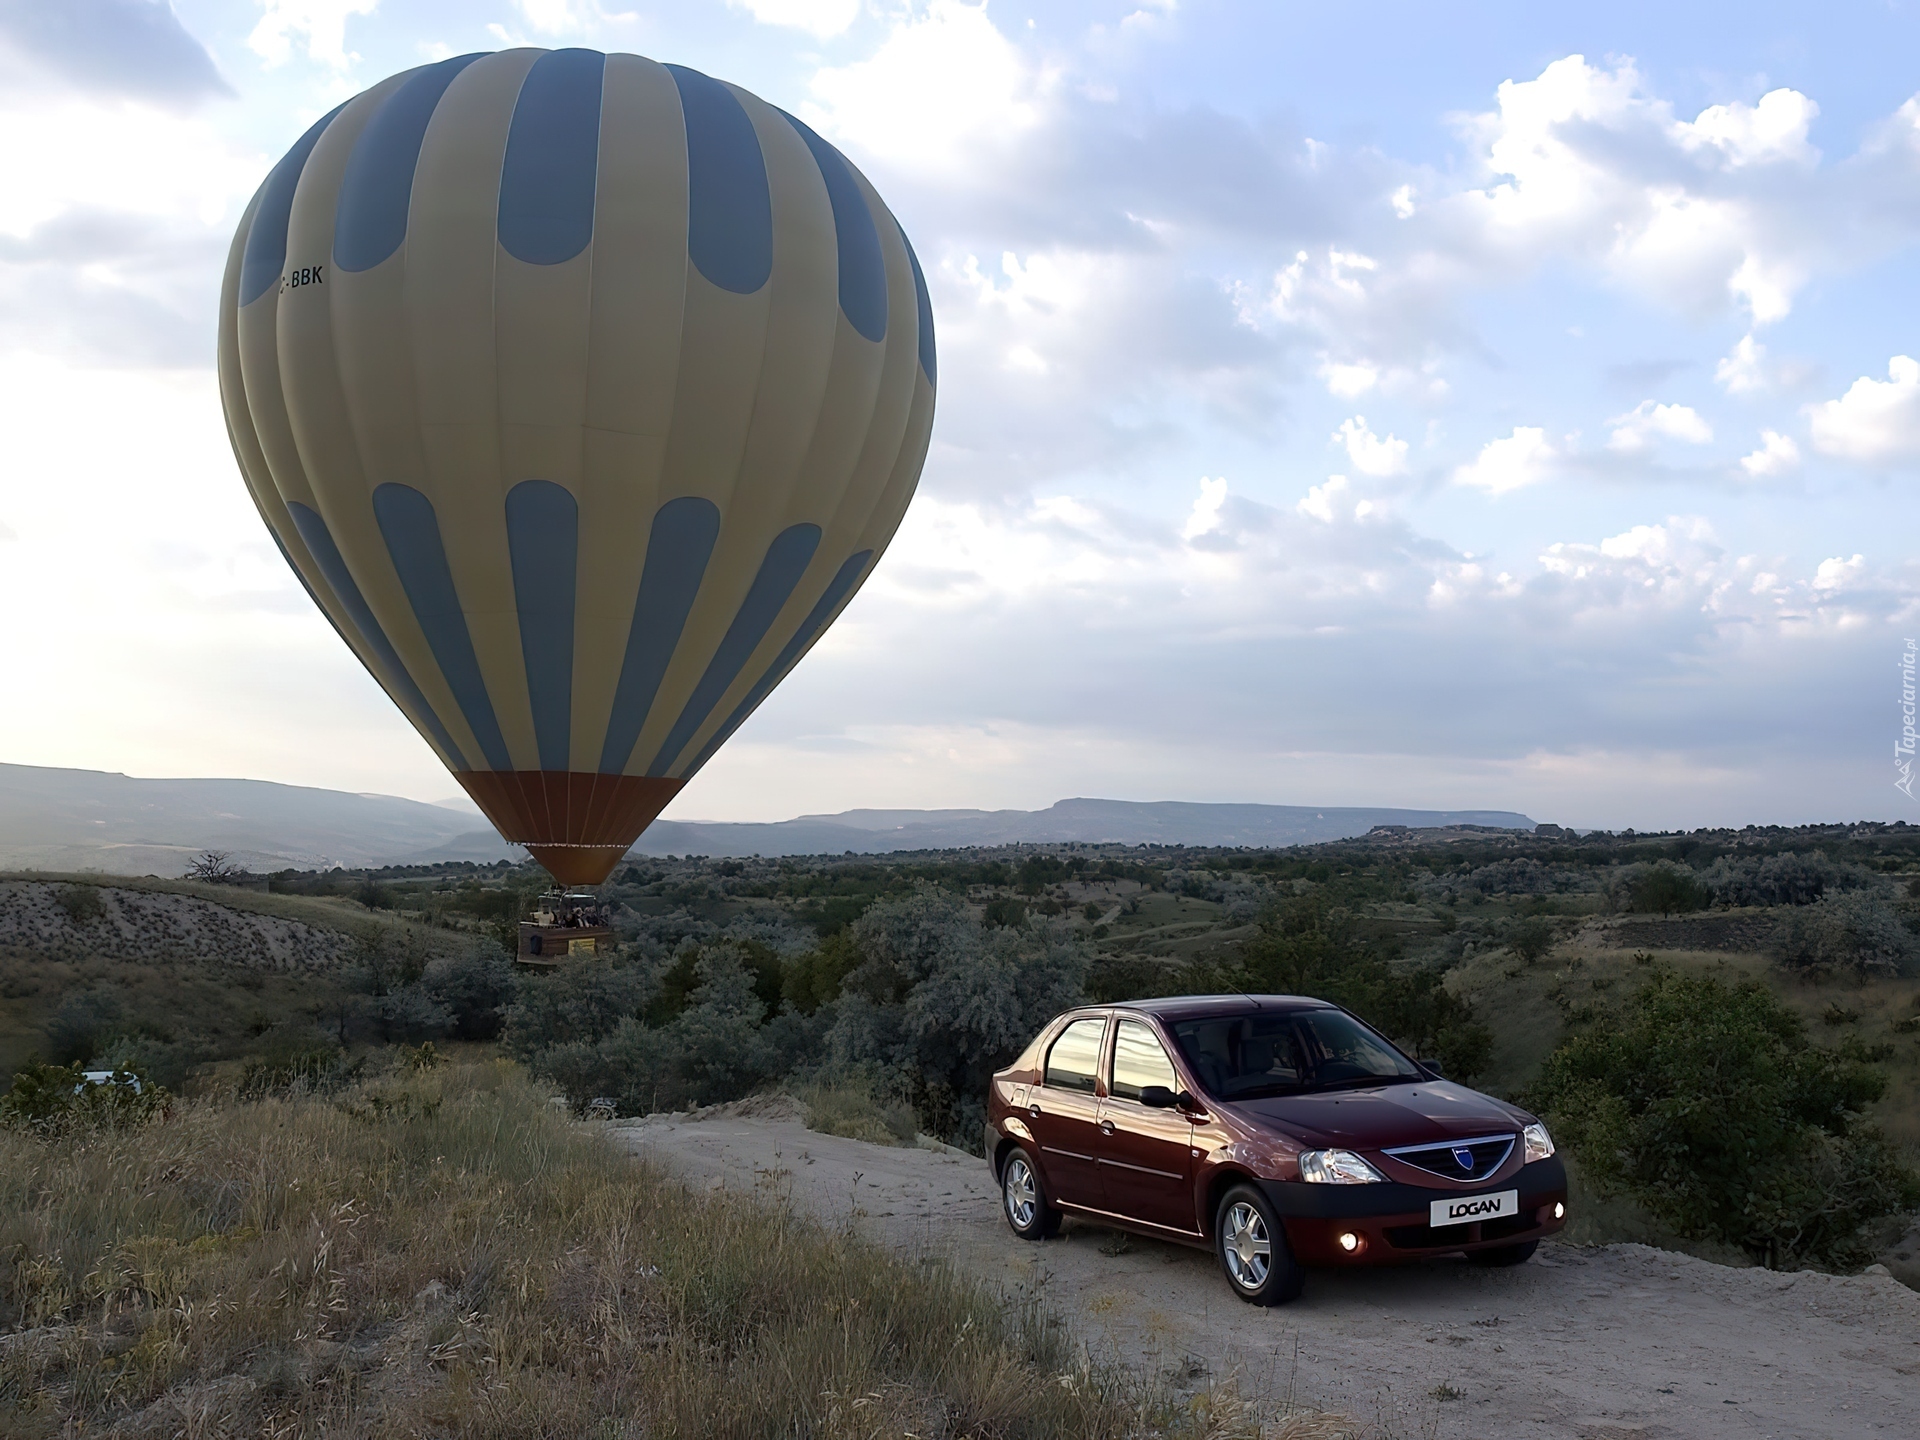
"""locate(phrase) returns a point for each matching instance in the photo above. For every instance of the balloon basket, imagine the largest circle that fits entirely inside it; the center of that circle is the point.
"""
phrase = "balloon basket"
(566, 925)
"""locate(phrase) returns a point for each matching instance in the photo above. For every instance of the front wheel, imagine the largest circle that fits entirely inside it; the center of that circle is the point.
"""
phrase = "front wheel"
(1505, 1254)
(1023, 1200)
(1252, 1249)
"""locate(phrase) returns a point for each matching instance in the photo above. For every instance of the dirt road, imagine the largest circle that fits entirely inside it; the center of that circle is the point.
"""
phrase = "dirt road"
(1585, 1344)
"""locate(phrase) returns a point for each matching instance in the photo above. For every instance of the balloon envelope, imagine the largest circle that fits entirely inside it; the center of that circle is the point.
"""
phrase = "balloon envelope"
(582, 393)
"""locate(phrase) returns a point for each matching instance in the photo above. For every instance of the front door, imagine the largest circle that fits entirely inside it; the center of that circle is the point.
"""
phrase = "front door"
(1064, 1113)
(1145, 1152)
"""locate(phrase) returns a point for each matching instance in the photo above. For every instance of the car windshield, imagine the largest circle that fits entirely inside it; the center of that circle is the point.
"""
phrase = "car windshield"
(1287, 1052)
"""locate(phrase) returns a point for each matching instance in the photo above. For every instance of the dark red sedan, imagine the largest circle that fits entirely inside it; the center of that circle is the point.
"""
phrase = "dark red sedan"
(1281, 1131)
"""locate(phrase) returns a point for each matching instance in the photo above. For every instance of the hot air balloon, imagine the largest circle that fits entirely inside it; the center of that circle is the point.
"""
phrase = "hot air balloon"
(582, 393)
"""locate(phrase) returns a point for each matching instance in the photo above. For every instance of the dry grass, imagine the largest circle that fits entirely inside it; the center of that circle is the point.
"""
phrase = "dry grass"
(443, 1253)
(851, 1108)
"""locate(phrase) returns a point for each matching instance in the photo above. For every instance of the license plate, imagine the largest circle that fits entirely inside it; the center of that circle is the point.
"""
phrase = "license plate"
(1465, 1209)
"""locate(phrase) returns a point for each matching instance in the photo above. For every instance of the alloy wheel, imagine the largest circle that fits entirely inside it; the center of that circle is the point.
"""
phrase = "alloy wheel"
(1246, 1246)
(1022, 1195)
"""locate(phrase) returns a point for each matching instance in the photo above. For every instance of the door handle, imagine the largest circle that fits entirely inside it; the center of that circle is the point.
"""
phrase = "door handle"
(1106, 1127)
(1033, 1112)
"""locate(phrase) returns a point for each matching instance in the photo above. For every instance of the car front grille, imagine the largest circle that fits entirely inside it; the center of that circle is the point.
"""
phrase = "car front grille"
(1427, 1237)
(1484, 1157)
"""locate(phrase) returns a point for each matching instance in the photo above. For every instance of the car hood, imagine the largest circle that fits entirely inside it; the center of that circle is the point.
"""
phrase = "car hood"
(1390, 1115)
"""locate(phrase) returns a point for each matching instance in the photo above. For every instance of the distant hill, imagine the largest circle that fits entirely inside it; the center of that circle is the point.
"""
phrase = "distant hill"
(1126, 822)
(95, 820)
(54, 819)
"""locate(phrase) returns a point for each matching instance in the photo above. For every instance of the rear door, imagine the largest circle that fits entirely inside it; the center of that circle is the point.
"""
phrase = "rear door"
(1145, 1153)
(1064, 1112)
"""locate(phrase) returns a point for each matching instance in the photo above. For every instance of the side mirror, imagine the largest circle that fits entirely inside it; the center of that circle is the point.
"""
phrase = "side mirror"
(1433, 1068)
(1158, 1097)
(1190, 1102)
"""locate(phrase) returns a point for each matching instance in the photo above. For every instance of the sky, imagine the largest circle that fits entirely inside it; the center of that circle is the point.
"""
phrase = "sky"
(1480, 406)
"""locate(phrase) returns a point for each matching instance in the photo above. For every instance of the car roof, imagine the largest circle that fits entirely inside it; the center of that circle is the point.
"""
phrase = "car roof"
(1190, 1007)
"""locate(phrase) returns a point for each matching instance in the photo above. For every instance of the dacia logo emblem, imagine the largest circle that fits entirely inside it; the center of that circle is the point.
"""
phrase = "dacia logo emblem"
(1463, 1157)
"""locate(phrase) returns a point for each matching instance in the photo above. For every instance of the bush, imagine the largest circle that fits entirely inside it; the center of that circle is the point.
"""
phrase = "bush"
(82, 1025)
(1854, 933)
(1530, 939)
(1706, 1102)
(1662, 888)
(54, 1101)
(1790, 878)
(579, 1002)
(81, 902)
(1306, 946)
(474, 988)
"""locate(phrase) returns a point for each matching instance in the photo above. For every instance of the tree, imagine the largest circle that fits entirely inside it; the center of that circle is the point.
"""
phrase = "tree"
(1707, 1103)
(216, 867)
(1530, 939)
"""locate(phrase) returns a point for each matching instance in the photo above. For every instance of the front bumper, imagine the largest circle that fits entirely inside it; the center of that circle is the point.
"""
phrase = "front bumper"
(1389, 1221)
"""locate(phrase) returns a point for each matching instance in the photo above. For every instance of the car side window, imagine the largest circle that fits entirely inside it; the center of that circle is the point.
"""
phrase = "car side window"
(1139, 1061)
(1075, 1056)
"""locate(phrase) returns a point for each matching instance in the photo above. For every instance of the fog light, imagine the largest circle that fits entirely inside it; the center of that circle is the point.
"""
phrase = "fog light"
(1349, 1241)
(1559, 1211)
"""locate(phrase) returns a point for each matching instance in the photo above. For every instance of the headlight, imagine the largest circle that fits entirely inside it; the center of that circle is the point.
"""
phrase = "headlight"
(1337, 1167)
(1539, 1143)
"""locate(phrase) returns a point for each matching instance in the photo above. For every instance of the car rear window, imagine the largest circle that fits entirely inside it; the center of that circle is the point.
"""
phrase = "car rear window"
(1076, 1055)
(1269, 1052)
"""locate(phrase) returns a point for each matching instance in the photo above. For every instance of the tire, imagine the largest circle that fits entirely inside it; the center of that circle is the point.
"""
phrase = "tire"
(1505, 1255)
(1252, 1249)
(1023, 1198)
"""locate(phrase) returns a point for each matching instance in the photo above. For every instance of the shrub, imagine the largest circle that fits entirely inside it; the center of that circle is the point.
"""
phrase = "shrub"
(81, 902)
(1662, 888)
(1530, 939)
(579, 1002)
(1855, 932)
(1707, 1103)
(475, 989)
(1306, 946)
(53, 1101)
(83, 1023)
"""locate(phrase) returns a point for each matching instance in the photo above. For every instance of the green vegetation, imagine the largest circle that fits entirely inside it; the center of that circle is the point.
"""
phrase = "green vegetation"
(439, 1252)
(1707, 1102)
(895, 984)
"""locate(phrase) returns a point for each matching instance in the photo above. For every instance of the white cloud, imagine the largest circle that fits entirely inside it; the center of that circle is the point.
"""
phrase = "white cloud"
(1205, 515)
(1741, 371)
(938, 87)
(1637, 429)
(1402, 202)
(1325, 502)
(820, 18)
(322, 24)
(1519, 459)
(1371, 454)
(1877, 422)
(1576, 168)
(1776, 456)
(7, 532)
(1840, 574)
(1772, 131)
(1349, 381)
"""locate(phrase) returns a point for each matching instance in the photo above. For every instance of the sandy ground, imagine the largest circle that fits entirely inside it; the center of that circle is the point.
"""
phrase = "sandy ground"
(1588, 1344)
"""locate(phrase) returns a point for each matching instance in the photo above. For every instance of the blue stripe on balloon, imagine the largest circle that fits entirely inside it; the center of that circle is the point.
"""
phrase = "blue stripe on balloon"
(266, 253)
(412, 533)
(923, 303)
(843, 582)
(863, 269)
(684, 532)
(729, 208)
(370, 219)
(319, 542)
(543, 540)
(787, 559)
(553, 159)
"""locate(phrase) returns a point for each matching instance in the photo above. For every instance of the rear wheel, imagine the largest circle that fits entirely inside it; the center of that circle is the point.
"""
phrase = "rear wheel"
(1023, 1199)
(1252, 1249)
(1505, 1254)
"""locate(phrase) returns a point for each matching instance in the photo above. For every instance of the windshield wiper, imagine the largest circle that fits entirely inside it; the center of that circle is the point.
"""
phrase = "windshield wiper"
(1363, 1082)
